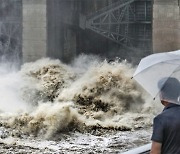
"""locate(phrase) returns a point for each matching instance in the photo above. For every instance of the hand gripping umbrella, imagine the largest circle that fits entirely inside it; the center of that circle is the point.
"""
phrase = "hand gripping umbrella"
(157, 68)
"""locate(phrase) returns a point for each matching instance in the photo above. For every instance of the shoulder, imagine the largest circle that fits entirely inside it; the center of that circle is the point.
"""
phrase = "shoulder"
(163, 118)
(159, 118)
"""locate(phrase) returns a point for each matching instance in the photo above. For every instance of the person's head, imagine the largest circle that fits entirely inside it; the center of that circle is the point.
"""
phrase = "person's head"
(169, 90)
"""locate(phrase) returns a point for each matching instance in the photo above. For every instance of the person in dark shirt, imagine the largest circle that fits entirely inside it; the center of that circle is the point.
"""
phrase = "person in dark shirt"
(166, 126)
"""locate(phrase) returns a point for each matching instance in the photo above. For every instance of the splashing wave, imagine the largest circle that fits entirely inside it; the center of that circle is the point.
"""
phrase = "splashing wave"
(61, 98)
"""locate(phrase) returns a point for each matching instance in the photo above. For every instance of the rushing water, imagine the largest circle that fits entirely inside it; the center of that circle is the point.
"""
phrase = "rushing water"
(46, 97)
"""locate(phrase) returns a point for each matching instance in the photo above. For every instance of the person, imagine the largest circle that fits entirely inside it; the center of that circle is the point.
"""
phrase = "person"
(166, 126)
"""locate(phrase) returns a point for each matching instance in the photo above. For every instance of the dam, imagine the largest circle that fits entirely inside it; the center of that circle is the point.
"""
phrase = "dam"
(63, 29)
(86, 105)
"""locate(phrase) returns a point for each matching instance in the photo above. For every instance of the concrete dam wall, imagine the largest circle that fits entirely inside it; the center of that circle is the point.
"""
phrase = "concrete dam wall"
(58, 28)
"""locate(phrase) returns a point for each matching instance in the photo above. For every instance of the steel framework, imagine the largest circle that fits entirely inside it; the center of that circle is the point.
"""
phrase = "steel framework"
(127, 22)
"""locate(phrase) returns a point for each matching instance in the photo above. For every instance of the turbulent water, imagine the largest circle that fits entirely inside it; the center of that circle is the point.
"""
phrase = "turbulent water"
(46, 98)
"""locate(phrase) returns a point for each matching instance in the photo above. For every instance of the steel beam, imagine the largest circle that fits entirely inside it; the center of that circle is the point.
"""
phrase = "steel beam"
(124, 22)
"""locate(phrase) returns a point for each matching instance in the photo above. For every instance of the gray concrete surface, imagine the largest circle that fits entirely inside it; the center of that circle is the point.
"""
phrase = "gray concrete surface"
(166, 25)
(61, 38)
(34, 30)
(46, 30)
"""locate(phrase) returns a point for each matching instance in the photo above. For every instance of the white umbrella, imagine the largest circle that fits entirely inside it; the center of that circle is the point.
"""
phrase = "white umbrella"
(154, 68)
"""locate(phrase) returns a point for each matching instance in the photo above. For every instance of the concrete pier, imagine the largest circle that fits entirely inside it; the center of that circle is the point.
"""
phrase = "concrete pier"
(47, 30)
(34, 30)
(166, 25)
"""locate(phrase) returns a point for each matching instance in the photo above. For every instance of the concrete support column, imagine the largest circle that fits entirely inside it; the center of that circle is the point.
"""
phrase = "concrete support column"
(69, 45)
(166, 25)
(34, 30)
(48, 30)
(62, 28)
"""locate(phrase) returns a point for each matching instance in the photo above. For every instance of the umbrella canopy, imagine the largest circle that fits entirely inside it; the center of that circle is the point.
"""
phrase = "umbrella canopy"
(154, 71)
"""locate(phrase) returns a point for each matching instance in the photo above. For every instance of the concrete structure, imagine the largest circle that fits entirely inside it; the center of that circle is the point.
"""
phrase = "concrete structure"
(10, 30)
(53, 28)
(61, 29)
(166, 25)
(34, 30)
(44, 30)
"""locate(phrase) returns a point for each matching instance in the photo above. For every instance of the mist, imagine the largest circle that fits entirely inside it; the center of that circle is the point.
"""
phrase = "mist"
(11, 83)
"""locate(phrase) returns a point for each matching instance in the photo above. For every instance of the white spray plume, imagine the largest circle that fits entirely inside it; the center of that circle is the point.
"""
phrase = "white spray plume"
(10, 87)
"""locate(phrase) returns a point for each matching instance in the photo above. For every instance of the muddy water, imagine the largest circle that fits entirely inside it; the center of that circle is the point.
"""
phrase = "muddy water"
(47, 99)
(75, 142)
